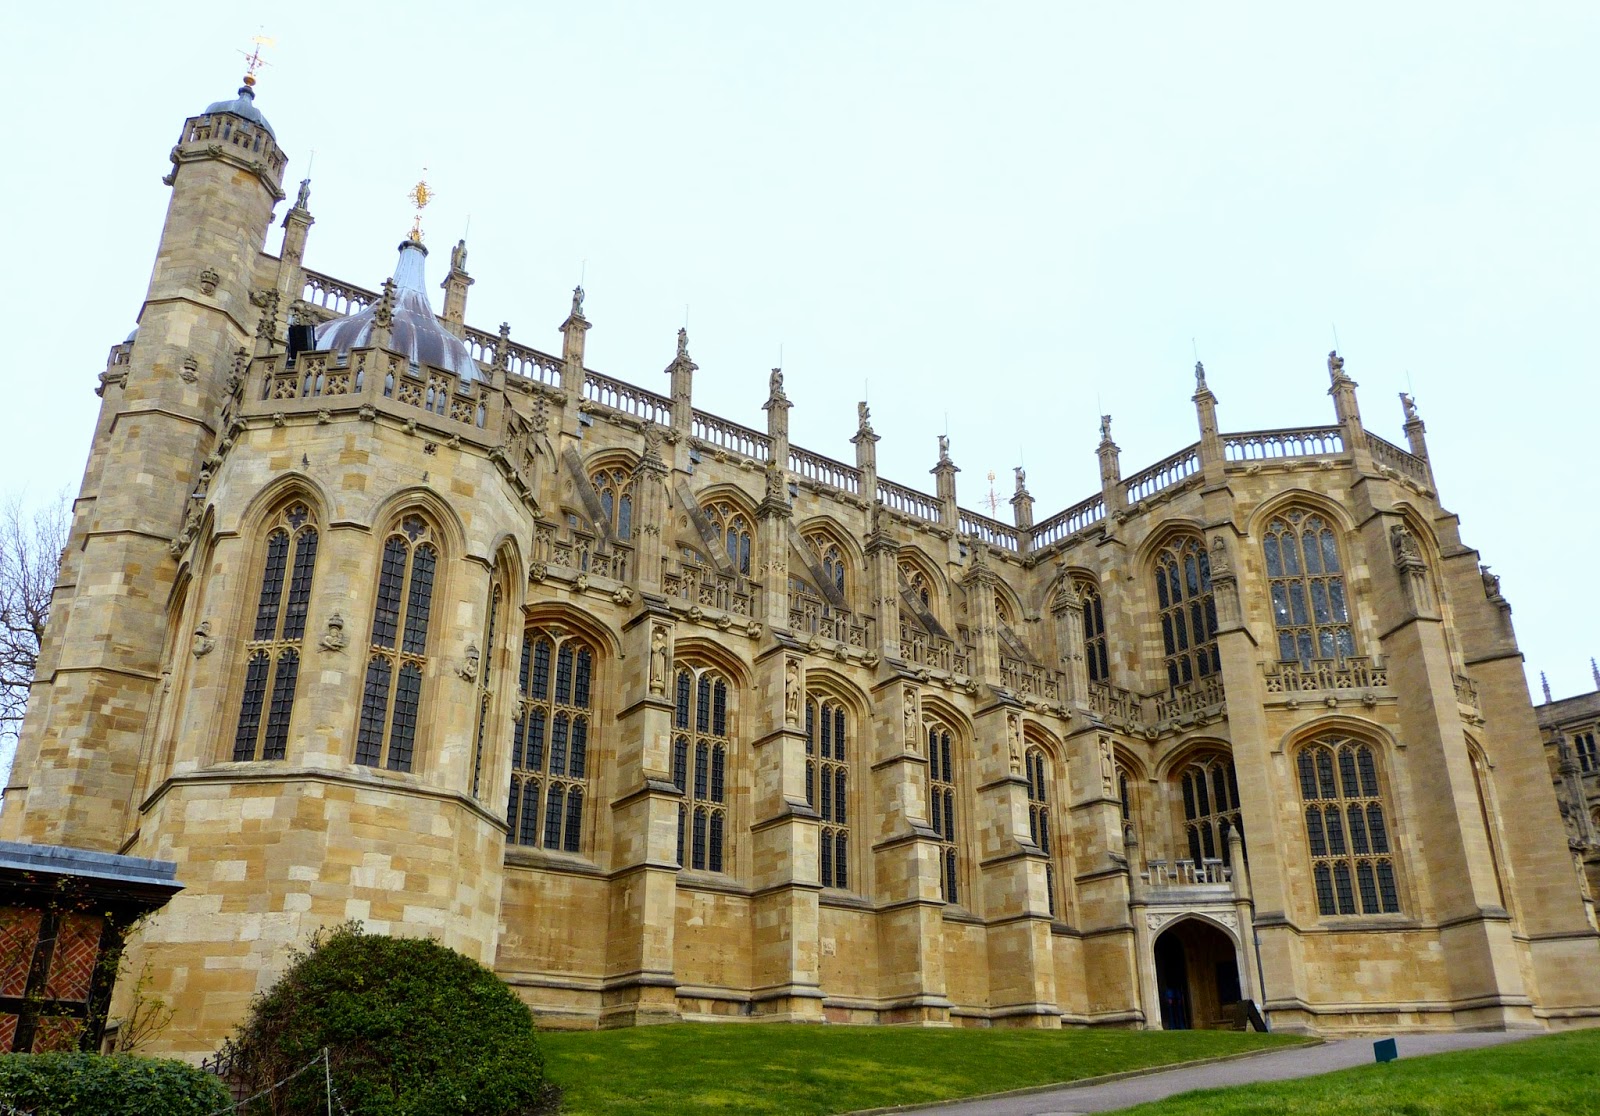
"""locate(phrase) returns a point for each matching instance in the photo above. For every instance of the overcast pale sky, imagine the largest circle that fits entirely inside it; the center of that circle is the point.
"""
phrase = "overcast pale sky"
(1000, 218)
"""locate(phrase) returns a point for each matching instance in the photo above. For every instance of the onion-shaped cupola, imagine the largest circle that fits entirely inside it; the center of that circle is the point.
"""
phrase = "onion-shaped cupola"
(415, 332)
(243, 105)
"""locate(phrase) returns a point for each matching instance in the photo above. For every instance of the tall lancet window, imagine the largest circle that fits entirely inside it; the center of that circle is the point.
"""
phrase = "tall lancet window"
(942, 808)
(1352, 860)
(1037, 765)
(273, 652)
(700, 754)
(550, 741)
(1188, 611)
(1094, 630)
(733, 529)
(828, 785)
(486, 687)
(391, 697)
(614, 486)
(1309, 609)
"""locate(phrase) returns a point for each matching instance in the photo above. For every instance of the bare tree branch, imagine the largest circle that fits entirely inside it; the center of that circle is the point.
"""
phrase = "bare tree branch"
(30, 560)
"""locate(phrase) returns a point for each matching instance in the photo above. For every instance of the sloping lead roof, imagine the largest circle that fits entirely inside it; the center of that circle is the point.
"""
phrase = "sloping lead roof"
(416, 333)
(243, 105)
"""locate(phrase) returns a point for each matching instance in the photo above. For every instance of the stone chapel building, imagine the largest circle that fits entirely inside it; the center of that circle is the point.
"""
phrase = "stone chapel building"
(369, 614)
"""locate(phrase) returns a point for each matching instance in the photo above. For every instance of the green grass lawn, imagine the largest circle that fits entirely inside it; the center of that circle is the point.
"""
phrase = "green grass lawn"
(1556, 1075)
(779, 1068)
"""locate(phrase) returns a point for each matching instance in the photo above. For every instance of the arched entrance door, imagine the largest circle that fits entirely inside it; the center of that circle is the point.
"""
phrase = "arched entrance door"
(1197, 977)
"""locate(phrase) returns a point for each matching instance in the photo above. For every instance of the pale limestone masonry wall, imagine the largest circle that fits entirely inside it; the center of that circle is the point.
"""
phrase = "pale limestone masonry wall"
(129, 743)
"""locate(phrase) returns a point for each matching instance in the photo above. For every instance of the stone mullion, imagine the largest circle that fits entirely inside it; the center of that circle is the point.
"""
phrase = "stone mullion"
(640, 978)
(785, 947)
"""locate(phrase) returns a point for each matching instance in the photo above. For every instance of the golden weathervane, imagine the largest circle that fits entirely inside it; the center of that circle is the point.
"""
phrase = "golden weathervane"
(421, 194)
(253, 60)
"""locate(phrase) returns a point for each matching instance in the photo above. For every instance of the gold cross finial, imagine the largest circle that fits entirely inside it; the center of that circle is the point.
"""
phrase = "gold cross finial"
(421, 194)
(253, 60)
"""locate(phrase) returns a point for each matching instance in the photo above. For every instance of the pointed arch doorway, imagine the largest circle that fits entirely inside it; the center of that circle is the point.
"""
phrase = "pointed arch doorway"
(1197, 977)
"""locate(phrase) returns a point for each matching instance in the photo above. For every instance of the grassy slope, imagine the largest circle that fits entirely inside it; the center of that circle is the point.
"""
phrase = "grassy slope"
(774, 1068)
(1556, 1075)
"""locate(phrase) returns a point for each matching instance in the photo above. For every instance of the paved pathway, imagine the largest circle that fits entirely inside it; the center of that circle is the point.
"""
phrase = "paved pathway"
(1279, 1065)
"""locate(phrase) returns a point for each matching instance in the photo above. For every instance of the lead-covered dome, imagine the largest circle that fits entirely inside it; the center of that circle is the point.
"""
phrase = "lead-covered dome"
(242, 105)
(415, 332)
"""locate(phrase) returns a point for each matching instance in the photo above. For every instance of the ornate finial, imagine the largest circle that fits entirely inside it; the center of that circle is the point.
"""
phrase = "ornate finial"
(421, 194)
(1595, 671)
(577, 301)
(1544, 683)
(1199, 376)
(683, 343)
(383, 316)
(502, 348)
(253, 60)
(303, 198)
(1105, 428)
(1409, 405)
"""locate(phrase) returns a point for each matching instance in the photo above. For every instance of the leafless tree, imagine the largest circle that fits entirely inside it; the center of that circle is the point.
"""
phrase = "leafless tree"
(30, 558)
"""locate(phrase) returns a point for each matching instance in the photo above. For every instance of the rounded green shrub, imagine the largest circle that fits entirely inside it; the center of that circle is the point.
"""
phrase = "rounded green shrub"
(79, 1084)
(411, 1028)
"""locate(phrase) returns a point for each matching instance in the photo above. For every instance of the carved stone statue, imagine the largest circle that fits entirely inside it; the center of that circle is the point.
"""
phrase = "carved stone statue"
(1219, 556)
(1022, 478)
(202, 643)
(303, 197)
(944, 447)
(334, 639)
(468, 670)
(652, 442)
(660, 660)
(776, 489)
(577, 301)
(1105, 428)
(458, 256)
(683, 343)
(775, 384)
(1335, 364)
(1410, 406)
(1406, 551)
(791, 692)
(1491, 583)
(1108, 773)
(1199, 376)
(863, 418)
(1014, 740)
(913, 721)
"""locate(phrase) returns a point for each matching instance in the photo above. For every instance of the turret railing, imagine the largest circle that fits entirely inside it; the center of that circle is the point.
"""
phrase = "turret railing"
(1387, 453)
(1354, 672)
(1210, 872)
(991, 531)
(520, 359)
(1163, 474)
(809, 615)
(336, 297)
(824, 471)
(1196, 696)
(1031, 679)
(708, 587)
(1070, 522)
(730, 436)
(1267, 445)
(908, 501)
(1113, 701)
(638, 402)
(573, 548)
(926, 649)
(325, 375)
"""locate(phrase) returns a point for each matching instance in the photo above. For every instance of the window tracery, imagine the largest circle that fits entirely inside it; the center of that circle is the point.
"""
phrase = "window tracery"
(273, 651)
(1588, 757)
(830, 556)
(1352, 862)
(942, 808)
(1310, 611)
(550, 741)
(391, 699)
(1188, 611)
(614, 486)
(828, 785)
(701, 745)
(1210, 808)
(732, 528)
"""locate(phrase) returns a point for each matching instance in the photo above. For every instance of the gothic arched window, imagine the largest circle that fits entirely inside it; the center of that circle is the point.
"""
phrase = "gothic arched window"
(273, 651)
(1037, 765)
(942, 808)
(550, 741)
(1210, 808)
(614, 486)
(391, 696)
(1309, 608)
(1352, 860)
(1094, 631)
(915, 581)
(1188, 611)
(828, 785)
(1588, 754)
(701, 746)
(830, 556)
(732, 527)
